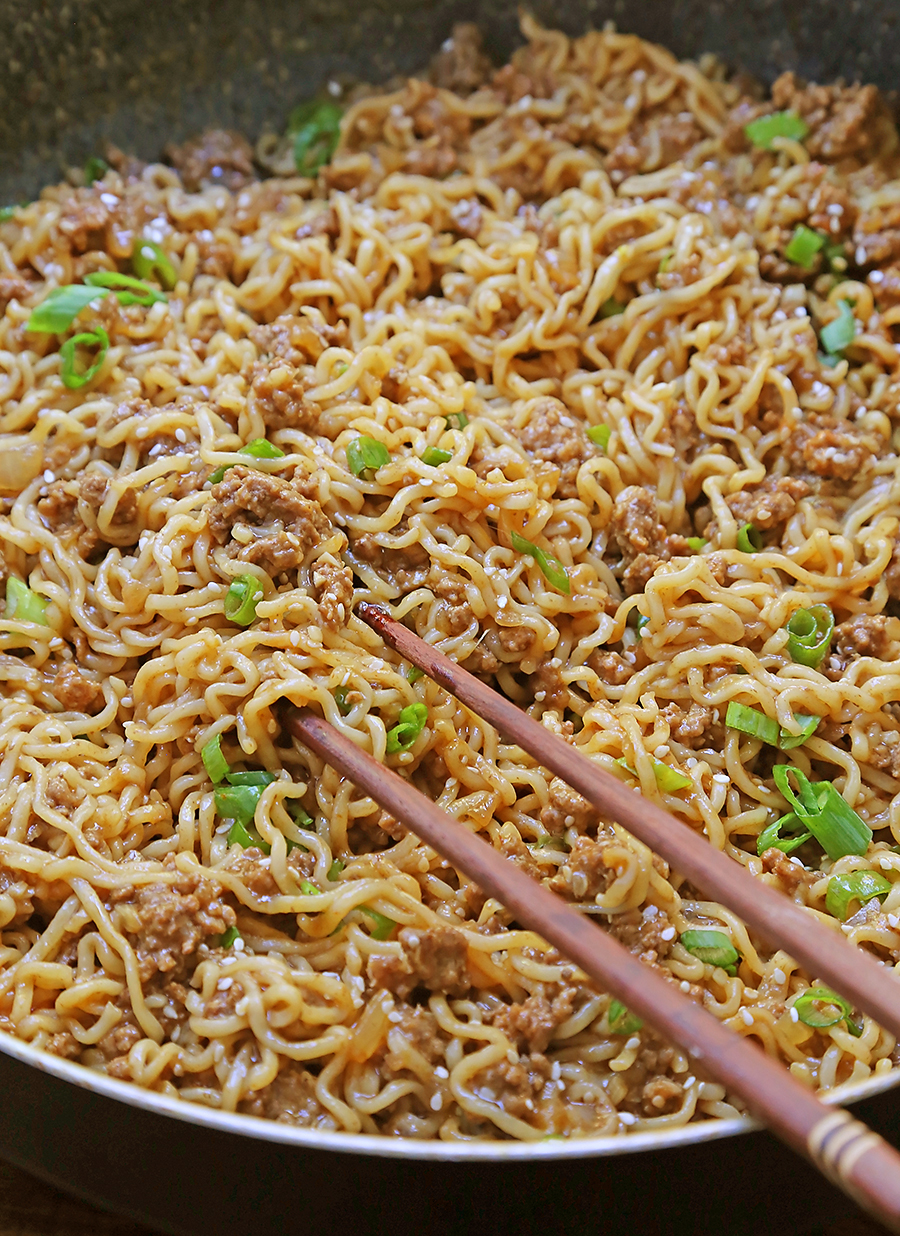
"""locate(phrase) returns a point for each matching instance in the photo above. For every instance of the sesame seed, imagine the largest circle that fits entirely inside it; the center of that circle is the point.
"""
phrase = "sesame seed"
(437, 1102)
(555, 1070)
(668, 934)
(180, 435)
(395, 1017)
(722, 778)
(661, 751)
(893, 920)
(746, 1017)
(633, 1044)
(440, 1071)
(627, 1118)
(48, 476)
(224, 984)
(685, 986)
(689, 1081)
(795, 1016)
(779, 976)
(295, 638)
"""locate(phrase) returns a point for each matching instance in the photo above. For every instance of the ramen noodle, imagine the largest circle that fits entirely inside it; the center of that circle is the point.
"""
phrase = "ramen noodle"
(586, 369)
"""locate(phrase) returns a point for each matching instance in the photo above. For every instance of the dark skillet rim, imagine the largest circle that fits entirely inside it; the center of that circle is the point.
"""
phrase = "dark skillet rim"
(392, 1148)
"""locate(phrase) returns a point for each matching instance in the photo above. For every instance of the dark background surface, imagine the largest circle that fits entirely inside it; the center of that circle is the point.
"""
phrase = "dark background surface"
(75, 73)
(140, 74)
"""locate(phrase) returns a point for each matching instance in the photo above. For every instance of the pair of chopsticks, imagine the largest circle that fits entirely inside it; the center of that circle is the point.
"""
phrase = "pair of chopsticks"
(849, 1154)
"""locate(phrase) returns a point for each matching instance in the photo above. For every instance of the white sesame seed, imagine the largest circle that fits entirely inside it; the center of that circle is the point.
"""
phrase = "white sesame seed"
(561, 1085)
(893, 920)
(395, 1017)
(795, 1016)
(180, 435)
(690, 762)
(48, 476)
(440, 1071)
(239, 945)
(554, 1070)
(779, 976)
(685, 986)
(627, 1118)
(668, 934)
(746, 1017)
(633, 1044)
(295, 638)
(224, 984)
(437, 1102)
(689, 1081)
(885, 864)
(661, 751)
(722, 778)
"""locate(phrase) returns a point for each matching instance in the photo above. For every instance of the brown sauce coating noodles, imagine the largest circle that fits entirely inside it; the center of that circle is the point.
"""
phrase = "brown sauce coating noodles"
(493, 263)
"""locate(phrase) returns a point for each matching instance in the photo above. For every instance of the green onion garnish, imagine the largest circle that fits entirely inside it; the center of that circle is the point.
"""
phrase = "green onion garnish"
(23, 605)
(459, 417)
(771, 839)
(408, 728)
(621, 1020)
(242, 598)
(128, 290)
(764, 129)
(308, 889)
(316, 128)
(803, 246)
(668, 778)
(335, 869)
(840, 332)
(73, 377)
(245, 835)
(857, 886)
(340, 698)
(819, 1007)
(752, 721)
(227, 938)
(809, 635)
(640, 621)
(434, 456)
(749, 539)
(214, 761)
(697, 543)
(384, 926)
(238, 803)
(257, 778)
(7, 213)
(665, 261)
(821, 809)
(150, 261)
(366, 455)
(413, 673)
(95, 169)
(546, 842)
(300, 814)
(600, 436)
(713, 948)
(835, 253)
(611, 308)
(259, 448)
(553, 570)
(58, 311)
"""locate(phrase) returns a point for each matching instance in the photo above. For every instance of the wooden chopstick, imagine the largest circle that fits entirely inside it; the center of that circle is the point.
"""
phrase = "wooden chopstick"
(823, 951)
(844, 1150)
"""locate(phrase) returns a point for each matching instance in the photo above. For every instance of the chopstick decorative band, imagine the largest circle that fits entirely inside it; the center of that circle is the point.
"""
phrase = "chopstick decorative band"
(825, 953)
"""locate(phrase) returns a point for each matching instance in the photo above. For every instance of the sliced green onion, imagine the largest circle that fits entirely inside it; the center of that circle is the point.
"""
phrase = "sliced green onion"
(611, 308)
(803, 246)
(600, 436)
(259, 448)
(413, 673)
(335, 869)
(665, 262)
(407, 730)
(856, 886)
(697, 543)
(150, 261)
(434, 456)
(640, 622)
(246, 836)
(237, 802)
(128, 290)
(227, 938)
(765, 129)
(257, 777)
(242, 598)
(309, 890)
(819, 1007)
(384, 926)
(95, 169)
(73, 377)
(828, 361)
(552, 569)
(668, 778)
(835, 252)
(366, 455)
(752, 721)
(713, 948)
(316, 129)
(459, 417)
(821, 809)
(58, 311)
(7, 213)
(771, 839)
(214, 761)
(340, 698)
(23, 605)
(300, 814)
(809, 635)
(840, 332)
(749, 539)
(621, 1020)
(546, 842)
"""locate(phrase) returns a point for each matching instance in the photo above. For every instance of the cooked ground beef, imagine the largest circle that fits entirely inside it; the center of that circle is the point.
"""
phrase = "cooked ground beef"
(768, 504)
(554, 436)
(333, 583)
(642, 539)
(461, 65)
(281, 525)
(290, 1099)
(434, 958)
(218, 157)
(532, 1024)
(76, 692)
(565, 809)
